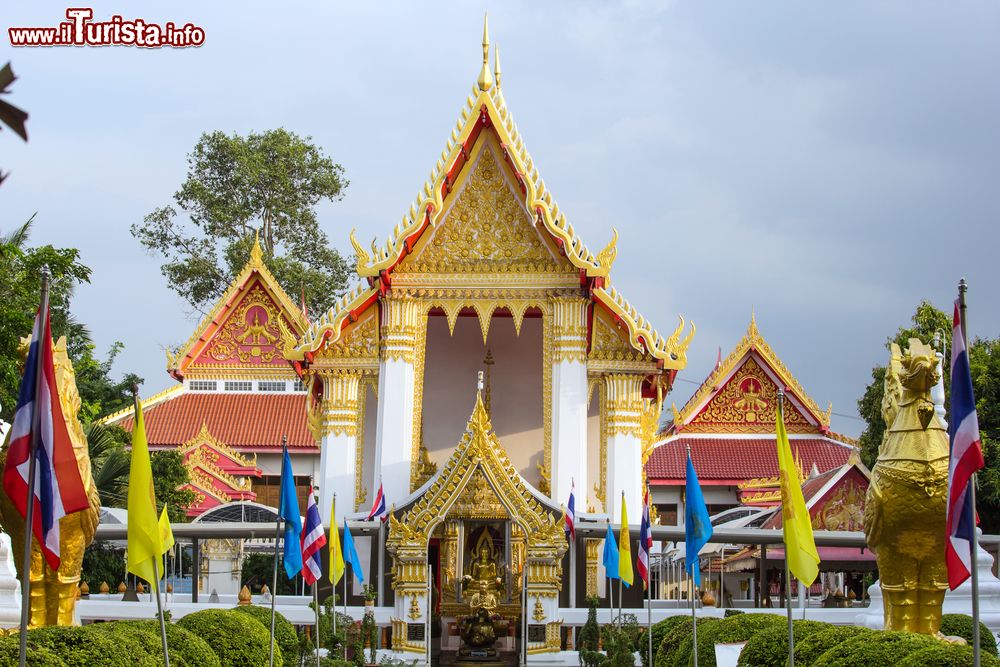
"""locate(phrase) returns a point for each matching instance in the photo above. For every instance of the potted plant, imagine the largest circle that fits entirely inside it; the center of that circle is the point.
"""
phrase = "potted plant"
(369, 635)
(370, 594)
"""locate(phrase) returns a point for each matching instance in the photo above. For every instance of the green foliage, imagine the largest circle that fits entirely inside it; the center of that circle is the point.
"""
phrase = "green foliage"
(348, 633)
(873, 650)
(20, 285)
(236, 185)
(946, 655)
(369, 635)
(109, 462)
(675, 649)
(103, 562)
(86, 646)
(960, 625)
(732, 612)
(814, 645)
(590, 634)
(620, 640)
(284, 632)
(661, 630)
(186, 648)
(238, 639)
(769, 647)
(739, 628)
(258, 569)
(169, 474)
(38, 656)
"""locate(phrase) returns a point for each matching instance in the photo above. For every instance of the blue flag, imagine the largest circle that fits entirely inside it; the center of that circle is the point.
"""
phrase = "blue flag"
(288, 509)
(351, 555)
(610, 554)
(697, 525)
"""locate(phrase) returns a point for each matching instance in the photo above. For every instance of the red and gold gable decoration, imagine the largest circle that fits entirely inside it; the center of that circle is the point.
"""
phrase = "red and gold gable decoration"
(843, 506)
(748, 403)
(250, 334)
(246, 330)
(219, 474)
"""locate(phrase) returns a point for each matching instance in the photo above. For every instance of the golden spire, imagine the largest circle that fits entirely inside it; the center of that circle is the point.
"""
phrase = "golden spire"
(256, 254)
(485, 80)
(496, 64)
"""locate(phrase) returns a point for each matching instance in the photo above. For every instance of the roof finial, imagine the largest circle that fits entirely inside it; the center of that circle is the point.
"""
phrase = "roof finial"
(752, 329)
(256, 254)
(496, 64)
(485, 80)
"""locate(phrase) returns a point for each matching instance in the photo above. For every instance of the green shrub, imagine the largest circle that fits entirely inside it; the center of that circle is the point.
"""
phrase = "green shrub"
(186, 648)
(769, 647)
(619, 642)
(732, 612)
(86, 646)
(739, 628)
(947, 655)
(37, 656)
(661, 630)
(238, 639)
(676, 645)
(284, 632)
(875, 650)
(960, 625)
(816, 644)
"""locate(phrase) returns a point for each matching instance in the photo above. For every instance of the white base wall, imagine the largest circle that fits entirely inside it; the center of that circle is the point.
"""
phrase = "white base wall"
(569, 432)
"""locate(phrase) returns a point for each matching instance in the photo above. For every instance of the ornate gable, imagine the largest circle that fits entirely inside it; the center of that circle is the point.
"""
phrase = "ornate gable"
(218, 473)
(246, 330)
(740, 395)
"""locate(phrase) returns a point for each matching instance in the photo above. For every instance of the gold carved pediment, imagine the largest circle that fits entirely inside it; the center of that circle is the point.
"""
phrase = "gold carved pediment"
(358, 343)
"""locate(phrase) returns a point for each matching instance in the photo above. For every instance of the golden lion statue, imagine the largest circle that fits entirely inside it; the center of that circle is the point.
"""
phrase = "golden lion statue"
(905, 506)
(53, 593)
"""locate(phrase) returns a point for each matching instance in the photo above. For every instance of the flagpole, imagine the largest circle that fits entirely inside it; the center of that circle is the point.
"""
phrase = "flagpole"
(316, 604)
(963, 287)
(333, 530)
(345, 598)
(277, 536)
(788, 572)
(694, 618)
(649, 609)
(159, 607)
(36, 427)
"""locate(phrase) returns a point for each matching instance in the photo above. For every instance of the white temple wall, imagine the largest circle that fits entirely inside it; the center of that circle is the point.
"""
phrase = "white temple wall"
(585, 494)
(450, 369)
(368, 472)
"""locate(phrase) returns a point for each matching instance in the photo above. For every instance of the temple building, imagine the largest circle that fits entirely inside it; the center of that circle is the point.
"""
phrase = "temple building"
(729, 427)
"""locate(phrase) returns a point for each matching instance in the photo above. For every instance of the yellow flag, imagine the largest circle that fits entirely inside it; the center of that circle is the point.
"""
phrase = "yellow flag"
(336, 554)
(625, 550)
(166, 532)
(800, 548)
(144, 540)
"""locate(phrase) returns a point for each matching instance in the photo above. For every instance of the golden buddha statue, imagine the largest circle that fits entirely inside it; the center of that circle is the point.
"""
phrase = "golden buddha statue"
(483, 581)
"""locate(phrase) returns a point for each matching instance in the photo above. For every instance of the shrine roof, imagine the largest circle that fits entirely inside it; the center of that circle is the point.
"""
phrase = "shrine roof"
(485, 109)
(215, 347)
(243, 421)
(752, 356)
(817, 490)
(730, 460)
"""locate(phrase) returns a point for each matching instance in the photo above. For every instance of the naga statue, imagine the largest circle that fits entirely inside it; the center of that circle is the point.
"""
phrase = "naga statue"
(53, 592)
(905, 506)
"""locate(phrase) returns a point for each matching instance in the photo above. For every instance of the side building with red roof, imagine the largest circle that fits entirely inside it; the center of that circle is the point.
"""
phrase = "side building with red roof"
(729, 427)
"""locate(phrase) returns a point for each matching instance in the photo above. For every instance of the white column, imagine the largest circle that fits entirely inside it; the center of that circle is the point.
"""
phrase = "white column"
(569, 399)
(623, 416)
(394, 430)
(338, 430)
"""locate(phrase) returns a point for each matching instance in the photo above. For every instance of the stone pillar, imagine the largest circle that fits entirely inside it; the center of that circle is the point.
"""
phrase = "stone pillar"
(338, 430)
(544, 577)
(569, 399)
(394, 431)
(412, 604)
(623, 417)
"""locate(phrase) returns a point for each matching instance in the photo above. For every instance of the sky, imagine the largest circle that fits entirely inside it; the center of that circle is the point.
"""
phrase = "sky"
(825, 165)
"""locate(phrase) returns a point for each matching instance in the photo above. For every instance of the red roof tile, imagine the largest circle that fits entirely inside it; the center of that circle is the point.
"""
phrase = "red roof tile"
(239, 420)
(739, 458)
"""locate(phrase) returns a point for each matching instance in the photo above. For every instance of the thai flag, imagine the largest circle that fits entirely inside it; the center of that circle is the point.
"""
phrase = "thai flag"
(58, 487)
(570, 526)
(645, 542)
(378, 507)
(966, 459)
(313, 540)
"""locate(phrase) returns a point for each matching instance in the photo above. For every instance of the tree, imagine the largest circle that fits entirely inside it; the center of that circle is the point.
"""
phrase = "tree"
(109, 462)
(236, 187)
(169, 474)
(927, 321)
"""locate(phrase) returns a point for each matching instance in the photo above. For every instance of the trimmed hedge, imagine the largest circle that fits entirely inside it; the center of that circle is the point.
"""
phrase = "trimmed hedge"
(876, 650)
(662, 629)
(947, 655)
(813, 646)
(769, 647)
(284, 632)
(960, 625)
(186, 648)
(87, 646)
(238, 639)
(670, 651)
(737, 628)
(37, 656)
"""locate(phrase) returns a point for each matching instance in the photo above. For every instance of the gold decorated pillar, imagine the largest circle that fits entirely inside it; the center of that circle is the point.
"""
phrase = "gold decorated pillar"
(569, 395)
(623, 410)
(333, 419)
(394, 441)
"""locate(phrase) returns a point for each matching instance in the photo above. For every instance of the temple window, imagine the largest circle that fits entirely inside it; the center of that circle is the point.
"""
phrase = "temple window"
(299, 386)
(271, 385)
(203, 385)
(238, 385)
